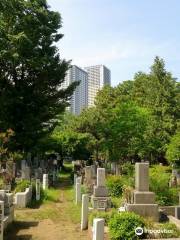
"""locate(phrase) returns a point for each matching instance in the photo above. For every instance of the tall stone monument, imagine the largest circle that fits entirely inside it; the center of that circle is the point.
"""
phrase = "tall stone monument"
(143, 201)
(100, 199)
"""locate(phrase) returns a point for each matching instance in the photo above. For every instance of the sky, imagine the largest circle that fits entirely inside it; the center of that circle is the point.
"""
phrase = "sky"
(124, 35)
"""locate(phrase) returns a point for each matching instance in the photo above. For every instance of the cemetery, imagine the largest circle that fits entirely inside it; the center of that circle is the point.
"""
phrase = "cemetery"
(102, 199)
(81, 159)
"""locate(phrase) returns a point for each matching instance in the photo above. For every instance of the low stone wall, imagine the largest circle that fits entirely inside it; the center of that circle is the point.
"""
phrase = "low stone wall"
(168, 210)
(23, 198)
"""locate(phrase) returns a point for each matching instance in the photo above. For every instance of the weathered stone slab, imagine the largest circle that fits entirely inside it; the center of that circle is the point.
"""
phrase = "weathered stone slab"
(101, 175)
(142, 177)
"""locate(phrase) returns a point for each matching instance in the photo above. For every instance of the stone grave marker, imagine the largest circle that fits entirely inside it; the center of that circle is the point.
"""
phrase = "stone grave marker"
(1, 219)
(84, 212)
(143, 200)
(45, 181)
(38, 189)
(98, 229)
(100, 199)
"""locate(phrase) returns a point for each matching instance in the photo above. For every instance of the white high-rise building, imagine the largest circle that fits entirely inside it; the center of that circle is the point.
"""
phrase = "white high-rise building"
(98, 77)
(79, 99)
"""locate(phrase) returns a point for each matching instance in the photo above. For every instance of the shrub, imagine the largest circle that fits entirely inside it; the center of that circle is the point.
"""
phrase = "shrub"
(159, 183)
(115, 185)
(22, 185)
(128, 169)
(122, 226)
(172, 227)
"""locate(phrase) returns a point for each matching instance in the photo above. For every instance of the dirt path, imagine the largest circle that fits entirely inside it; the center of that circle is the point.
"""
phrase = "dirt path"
(58, 220)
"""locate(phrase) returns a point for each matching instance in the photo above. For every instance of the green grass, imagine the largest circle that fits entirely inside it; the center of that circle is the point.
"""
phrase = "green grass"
(58, 203)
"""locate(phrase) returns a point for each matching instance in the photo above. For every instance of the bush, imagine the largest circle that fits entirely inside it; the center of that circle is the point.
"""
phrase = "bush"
(22, 185)
(159, 183)
(122, 226)
(105, 215)
(172, 227)
(115, 185)
(128, 169)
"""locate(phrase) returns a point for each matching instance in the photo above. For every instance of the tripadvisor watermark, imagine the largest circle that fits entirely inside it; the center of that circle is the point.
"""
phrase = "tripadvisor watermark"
(139, 231)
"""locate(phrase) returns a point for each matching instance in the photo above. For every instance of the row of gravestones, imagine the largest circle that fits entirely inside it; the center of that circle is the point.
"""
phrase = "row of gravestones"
(7, 204)
(142, 201)
(99, 199)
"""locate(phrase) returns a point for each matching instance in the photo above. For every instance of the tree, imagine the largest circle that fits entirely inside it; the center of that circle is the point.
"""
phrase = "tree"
(31, 71)
(173, 149)
(157, 91)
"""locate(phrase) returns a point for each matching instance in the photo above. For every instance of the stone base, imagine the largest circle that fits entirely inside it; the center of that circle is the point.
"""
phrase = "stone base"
(143, 197)
(100, 191)
(101, 203)
(145, 210)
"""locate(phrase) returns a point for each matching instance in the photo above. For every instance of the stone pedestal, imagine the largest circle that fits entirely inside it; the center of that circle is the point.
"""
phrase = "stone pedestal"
(145, 210)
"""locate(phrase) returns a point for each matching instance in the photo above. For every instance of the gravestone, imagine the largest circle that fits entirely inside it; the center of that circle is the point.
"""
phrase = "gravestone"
(94, 170)
(143, 201)
(78, 192)
(26, 173)
(54, 176)
(84, 212)
(23, 164)
(98, 229)
(45, 181)
(1, 219)
(14, 170)
(177, 212)
(38, 189)
(88, 176)
(100, 199)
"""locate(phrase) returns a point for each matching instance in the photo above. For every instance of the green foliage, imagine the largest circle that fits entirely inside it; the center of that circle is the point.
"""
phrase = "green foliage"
(22, 185)
(99, 214)
(173, 149)
(115, 185)
(31, 71)
(159, 183)
(128, 169)
(51, 195)
(122, 226)
(175, 232)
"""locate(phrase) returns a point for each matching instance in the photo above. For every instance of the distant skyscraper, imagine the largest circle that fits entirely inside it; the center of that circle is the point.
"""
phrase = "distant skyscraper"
(79, 98)
(98, 77)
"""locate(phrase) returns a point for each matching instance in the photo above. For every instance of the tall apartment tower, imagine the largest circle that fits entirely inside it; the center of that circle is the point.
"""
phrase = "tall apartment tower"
(79, 99)
(98, 76)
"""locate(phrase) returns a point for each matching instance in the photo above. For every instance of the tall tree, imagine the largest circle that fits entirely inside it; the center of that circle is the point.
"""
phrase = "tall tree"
(158, 92)
(31, 70)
